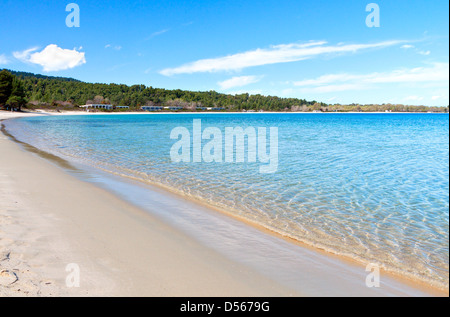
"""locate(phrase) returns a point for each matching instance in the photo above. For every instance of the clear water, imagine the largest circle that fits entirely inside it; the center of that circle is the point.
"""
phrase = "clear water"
(374, 187)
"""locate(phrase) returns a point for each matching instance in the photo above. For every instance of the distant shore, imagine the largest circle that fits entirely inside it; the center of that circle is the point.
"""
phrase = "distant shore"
(9, 114)
(49, 219)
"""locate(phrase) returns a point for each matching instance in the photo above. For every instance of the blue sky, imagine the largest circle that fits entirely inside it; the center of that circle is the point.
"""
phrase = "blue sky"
(318, 50)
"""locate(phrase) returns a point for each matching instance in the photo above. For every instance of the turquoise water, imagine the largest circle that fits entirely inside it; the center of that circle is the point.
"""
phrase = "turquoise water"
(374, 187)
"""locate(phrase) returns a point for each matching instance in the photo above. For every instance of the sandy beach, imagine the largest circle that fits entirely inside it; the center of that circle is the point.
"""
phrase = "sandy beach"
(49, 220)
(56, 228)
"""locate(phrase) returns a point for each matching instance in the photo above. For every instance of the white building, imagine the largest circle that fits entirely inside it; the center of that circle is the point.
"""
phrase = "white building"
(174, 108)
(210, 108)
(97, 106)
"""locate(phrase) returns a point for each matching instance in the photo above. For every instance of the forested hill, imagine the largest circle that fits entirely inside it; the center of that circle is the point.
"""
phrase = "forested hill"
(43, 90)
(23, 75)
(67, 93)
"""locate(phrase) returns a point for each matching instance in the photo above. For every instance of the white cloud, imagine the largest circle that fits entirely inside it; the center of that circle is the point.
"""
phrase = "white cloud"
(24, 55)
(117, 47)
(437, 73)
(239, 81)
(408, 46)
(3, 60)
(275, 54)
(426, 53)
(327, 79)
(52, 58)
(157, 33)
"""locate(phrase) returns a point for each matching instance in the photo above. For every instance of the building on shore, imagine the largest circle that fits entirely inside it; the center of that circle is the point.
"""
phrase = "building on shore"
(151, 108)
(97, 106)
(210, 108)
(173, 108)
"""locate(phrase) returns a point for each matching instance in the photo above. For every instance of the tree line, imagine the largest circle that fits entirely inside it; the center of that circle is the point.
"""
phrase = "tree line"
(12, 92)
(46, 92)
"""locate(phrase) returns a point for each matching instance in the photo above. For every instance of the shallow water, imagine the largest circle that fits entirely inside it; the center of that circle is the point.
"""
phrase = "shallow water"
(374, 187)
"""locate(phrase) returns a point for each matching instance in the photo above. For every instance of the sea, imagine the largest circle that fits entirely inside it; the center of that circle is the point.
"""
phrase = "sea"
(373, 187)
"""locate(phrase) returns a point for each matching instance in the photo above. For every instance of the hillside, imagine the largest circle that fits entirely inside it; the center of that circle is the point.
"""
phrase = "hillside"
(23, 75)
(67, 93)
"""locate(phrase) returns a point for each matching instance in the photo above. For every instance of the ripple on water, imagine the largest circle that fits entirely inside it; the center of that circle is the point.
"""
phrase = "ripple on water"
(369, 186)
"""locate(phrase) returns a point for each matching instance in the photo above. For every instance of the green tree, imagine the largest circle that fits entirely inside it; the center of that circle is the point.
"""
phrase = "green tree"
(46, 91)
(6, 83)
(17, 97)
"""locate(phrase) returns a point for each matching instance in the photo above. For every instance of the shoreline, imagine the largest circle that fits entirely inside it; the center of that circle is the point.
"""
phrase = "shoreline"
(404, 278)
(80, 112)
(425, 288)
(50, 219)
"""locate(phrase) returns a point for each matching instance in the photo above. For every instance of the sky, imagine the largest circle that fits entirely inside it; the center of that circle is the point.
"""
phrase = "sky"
(348, 51)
